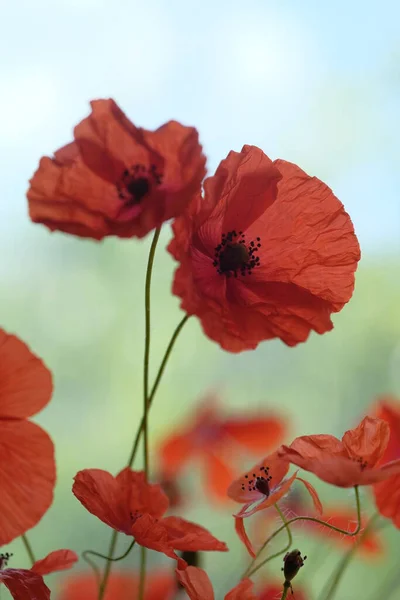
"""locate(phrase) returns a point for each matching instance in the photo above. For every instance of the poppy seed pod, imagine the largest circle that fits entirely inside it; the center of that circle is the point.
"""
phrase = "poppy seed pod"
(293, 561)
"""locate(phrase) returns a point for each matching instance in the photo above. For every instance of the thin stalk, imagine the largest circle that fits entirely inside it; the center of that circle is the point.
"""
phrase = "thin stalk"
(28, 548)
(286, 588)
(143, 561)
(107, 568)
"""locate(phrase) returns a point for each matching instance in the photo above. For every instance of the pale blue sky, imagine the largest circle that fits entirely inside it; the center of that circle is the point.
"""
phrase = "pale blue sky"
(310, 81)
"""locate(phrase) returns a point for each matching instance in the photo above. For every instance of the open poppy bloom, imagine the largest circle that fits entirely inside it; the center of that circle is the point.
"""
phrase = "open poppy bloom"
(387, 492)
(27, 471)
(216, 440)
(159, 585)
(269, 252)
(115, 178)
(262, 487)
(199, 587)
(353, 460)
(28, 584)
(129, 504)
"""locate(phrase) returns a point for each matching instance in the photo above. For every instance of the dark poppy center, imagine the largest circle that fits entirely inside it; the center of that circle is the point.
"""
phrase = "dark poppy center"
(259, 483)
(136, 182)
(234, 255)
(4, 558)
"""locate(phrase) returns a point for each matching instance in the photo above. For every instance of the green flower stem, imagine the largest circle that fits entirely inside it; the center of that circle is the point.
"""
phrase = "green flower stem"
(314, 520)
(344, 563)
(28, 548)
(250, 571)
(142, 581)
(286, 588)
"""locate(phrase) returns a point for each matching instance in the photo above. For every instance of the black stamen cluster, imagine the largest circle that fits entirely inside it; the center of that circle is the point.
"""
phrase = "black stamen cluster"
(259, 482)
(4, 558)
(136, 182)
(233, 255)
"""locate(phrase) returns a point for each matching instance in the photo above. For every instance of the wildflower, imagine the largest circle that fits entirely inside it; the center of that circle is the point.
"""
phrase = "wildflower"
(129, 504)
(115, 178)
(269, 252)
(262, 487)
(387, 492)
(199, 587)
(352, 461)
(28, 472)
(215, 441)
(293, 561)
(159, 585)
(28, 583)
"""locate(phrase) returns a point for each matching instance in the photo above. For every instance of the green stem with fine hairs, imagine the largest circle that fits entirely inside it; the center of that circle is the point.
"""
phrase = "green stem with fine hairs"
(249, 572)
(314, 520)
(344, 563)
(28, 548)
(286, 588)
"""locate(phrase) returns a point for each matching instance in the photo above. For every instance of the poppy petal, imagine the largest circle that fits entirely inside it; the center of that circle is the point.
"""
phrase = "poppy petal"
(242, 591)
(59, 560)
(141, 496)
(24, 585)
(101, 495)
(174, 453)
(368, 440)
(27, 477)
(389, 410)
(218, 476)
(387, 499)
(273, 465)
(241, 531)
(272, 499)
(153, 534)
(185, 535)
(196, 583)
(313, 493)
(258, 434)
(25, 383)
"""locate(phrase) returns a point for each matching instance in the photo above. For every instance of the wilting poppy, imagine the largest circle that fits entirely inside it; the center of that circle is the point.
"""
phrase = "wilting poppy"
(216, 440)
(352, 461)
(116, 178)
(387, 493)
(28, 584)
(159, 585)
(269, 252)
(261, 487)
(199, 587)
(129, 504)
(27, 468)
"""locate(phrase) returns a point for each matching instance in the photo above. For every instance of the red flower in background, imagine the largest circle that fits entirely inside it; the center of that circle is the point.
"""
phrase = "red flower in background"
(199, 587)
(354, 460)
(27, 466)
(217, 441)
(387, 493)
(274, 592)
(262, 487)
(28, 584)
(129, 504)
(269, 252)
(115, 178)
(159, 585)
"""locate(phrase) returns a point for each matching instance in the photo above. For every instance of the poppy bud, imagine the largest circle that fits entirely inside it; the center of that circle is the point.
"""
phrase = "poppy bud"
(293, 561)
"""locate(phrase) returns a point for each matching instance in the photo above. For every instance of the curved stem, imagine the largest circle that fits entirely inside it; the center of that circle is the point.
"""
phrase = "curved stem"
(251, 571)
(109, 558)
(107, 568)
(156, 384)
(346, 560)
(28, 548)
(92, 565)
(286, 588)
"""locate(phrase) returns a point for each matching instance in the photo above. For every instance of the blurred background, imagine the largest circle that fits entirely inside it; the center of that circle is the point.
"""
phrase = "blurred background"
(316, 83)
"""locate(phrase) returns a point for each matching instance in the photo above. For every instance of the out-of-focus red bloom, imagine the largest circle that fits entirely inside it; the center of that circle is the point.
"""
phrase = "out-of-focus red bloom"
(274, 592)
(159, 585)
(28, 584)
(129, 504)
(115, 178)
(269, 252)
(27, 466)
(261, 487)
(199, 587)
(216, 441)
(387, 493)
(352, 461)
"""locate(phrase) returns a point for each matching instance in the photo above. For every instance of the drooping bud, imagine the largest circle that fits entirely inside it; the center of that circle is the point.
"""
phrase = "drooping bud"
(293, 561)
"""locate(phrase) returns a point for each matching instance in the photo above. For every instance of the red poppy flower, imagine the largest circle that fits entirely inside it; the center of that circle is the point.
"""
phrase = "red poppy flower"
(115, 178)
(199, 587)
(28, 584)
(27, 471)
(387, 493)
(159, 585)
(129, 504)
(274, 592)
(349, 462)
(261, 487)
(216, 440)
(269, 252)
